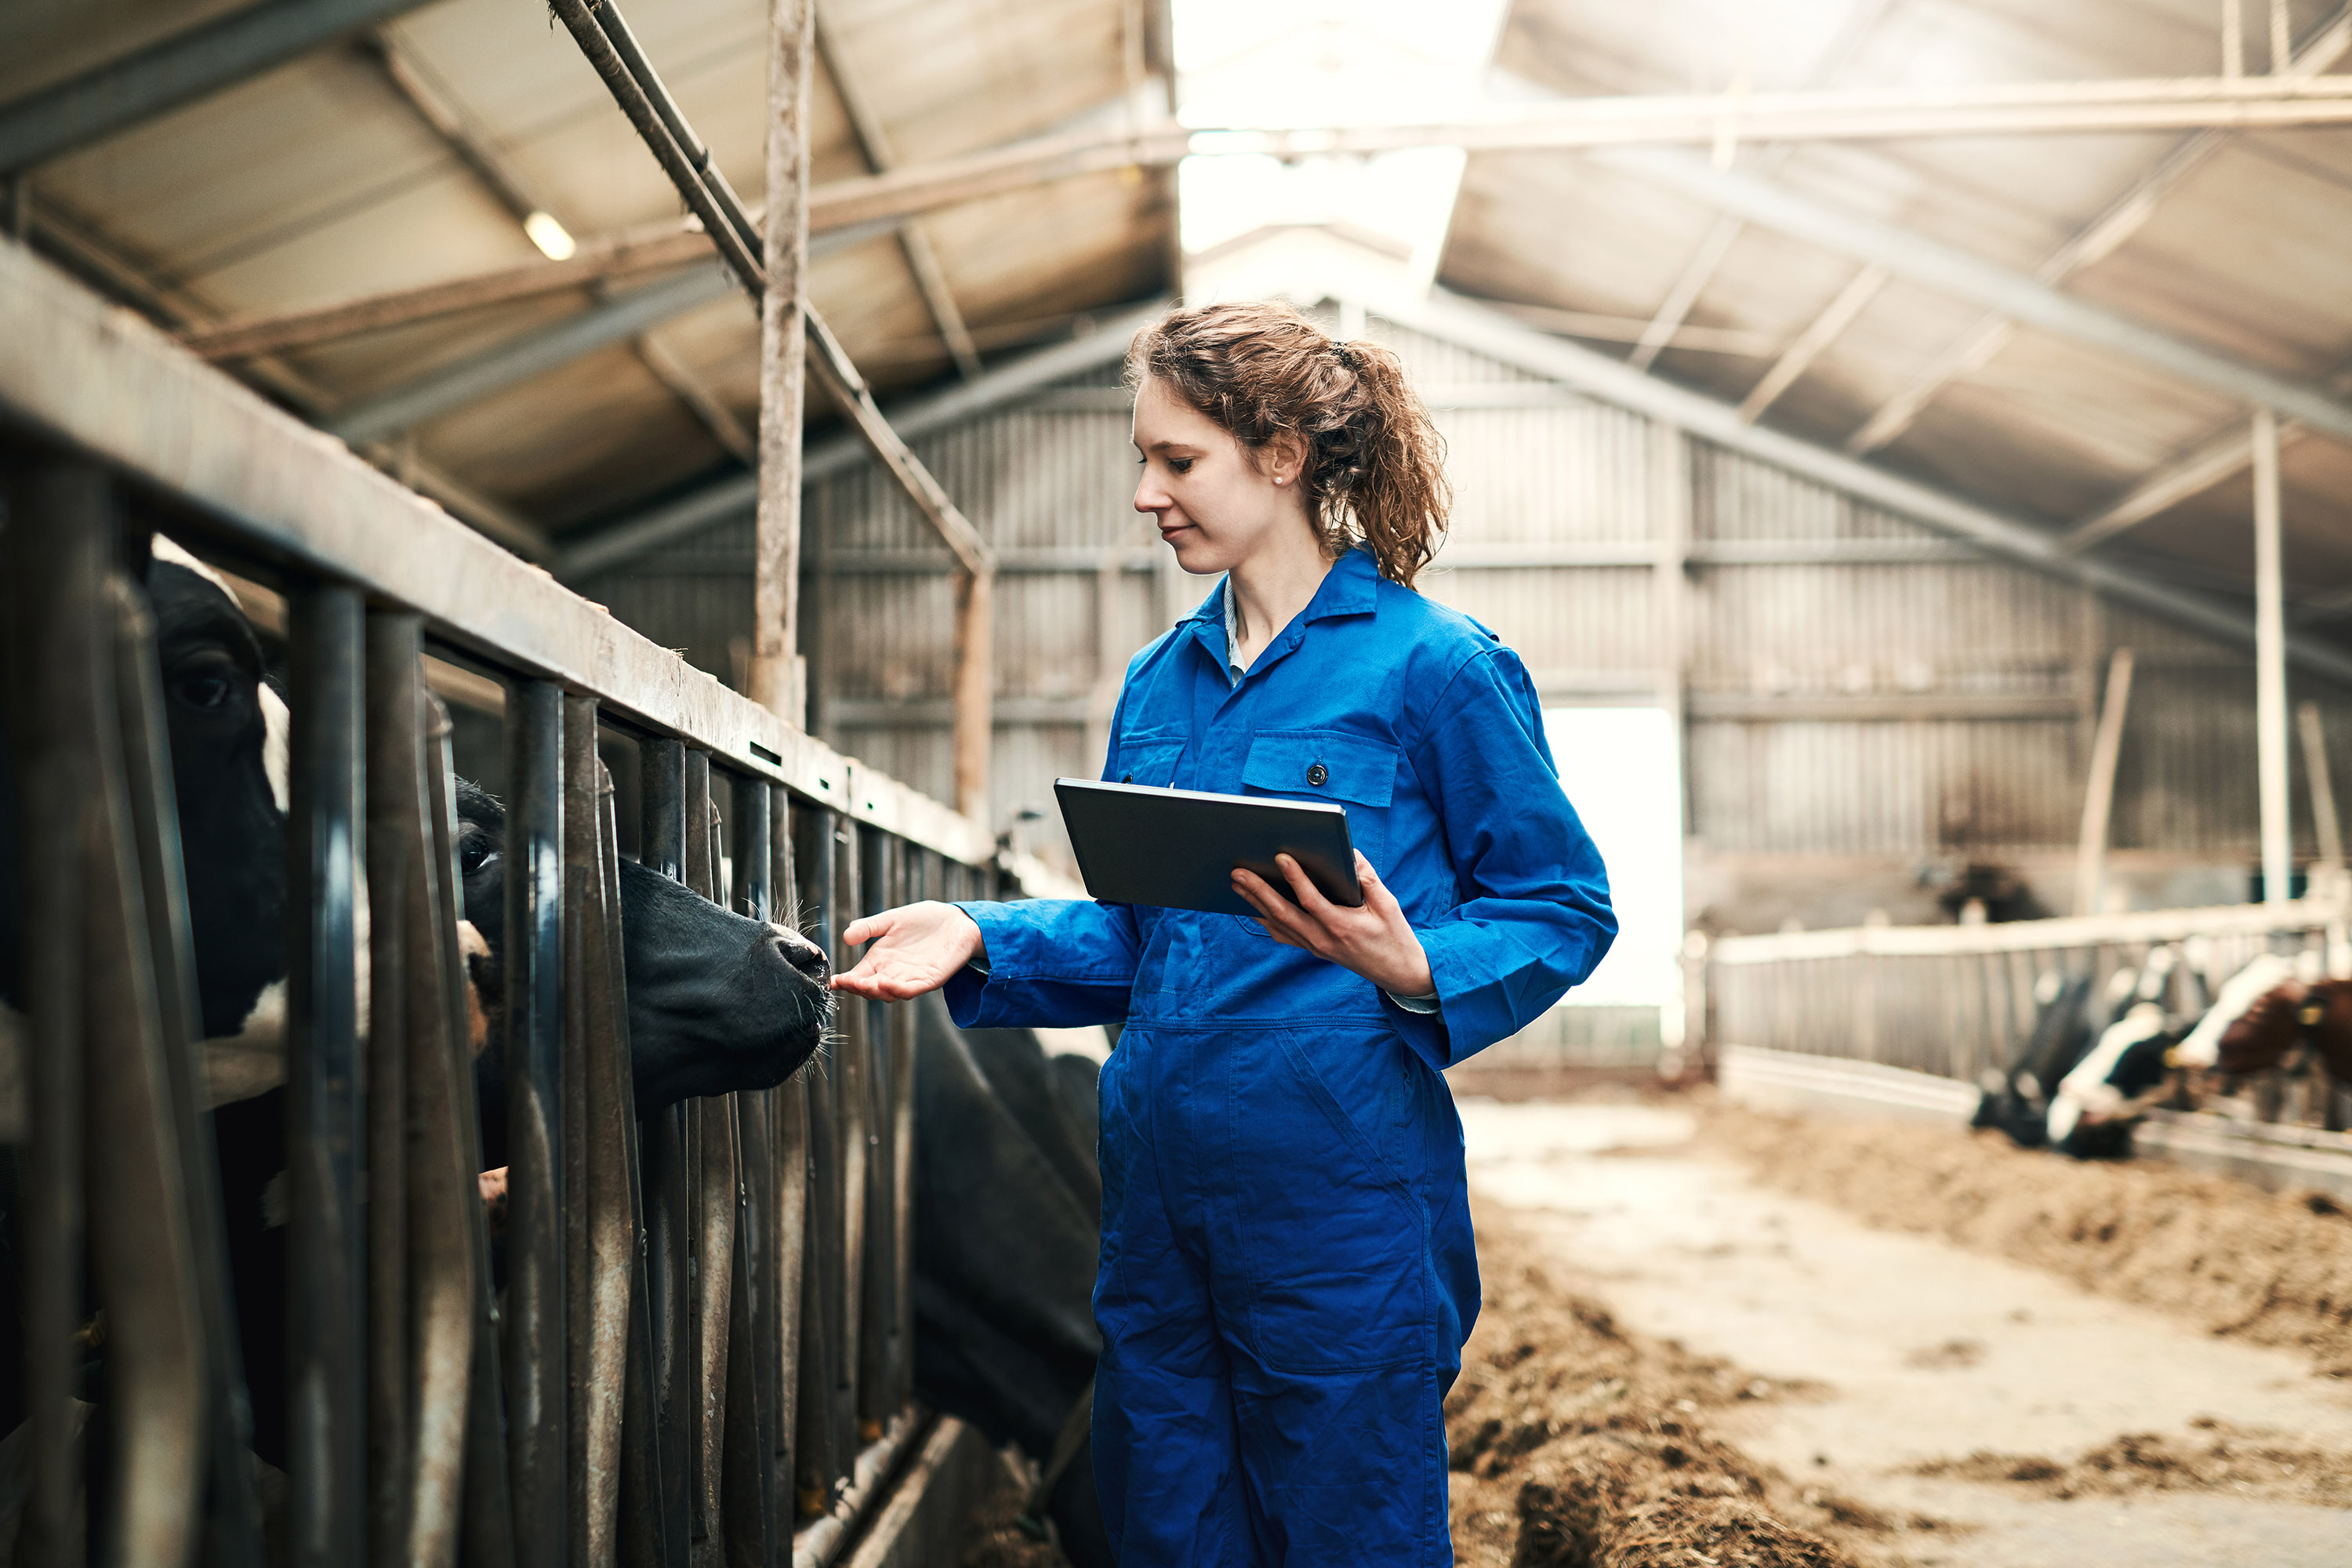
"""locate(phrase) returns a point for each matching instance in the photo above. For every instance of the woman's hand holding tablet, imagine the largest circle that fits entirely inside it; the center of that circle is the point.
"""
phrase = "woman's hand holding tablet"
(1375, 940)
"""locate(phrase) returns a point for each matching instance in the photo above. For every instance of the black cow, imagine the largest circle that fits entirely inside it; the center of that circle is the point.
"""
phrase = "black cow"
(716, 1002)
(1008, 1200)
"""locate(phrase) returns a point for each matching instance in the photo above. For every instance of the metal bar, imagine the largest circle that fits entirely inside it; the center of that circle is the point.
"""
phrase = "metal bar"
(486, 1513)
(537, 1385)
(530, 354)
(819, 1458)
(141, 1251)
(879, 1275)
(728, 499)
(602, 1221)
(443, 1198)
(778, 676)
(853, 1135)
(2016, 295)
(2099, 794)
(2325, 825)
(644, 1536)
(756, 1509)
(1462, 323)
(788, 1149)
(325, 1260)
(112, 96)
(662, 848)
(2269, 665)
(710, 1153)
(395, 647)
(60, 515)
(232, 1532)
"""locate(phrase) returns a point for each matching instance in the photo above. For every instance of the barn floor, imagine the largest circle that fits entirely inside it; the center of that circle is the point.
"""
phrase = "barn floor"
(1921, 1403)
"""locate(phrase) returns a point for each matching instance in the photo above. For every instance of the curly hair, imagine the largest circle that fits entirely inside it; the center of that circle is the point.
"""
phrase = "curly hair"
(1374, 472)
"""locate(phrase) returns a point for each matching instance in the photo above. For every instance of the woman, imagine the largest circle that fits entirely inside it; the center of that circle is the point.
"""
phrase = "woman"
(1288, 1270)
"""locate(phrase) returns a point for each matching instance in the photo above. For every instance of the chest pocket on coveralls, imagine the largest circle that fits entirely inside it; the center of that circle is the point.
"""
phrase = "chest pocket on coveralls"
(1356, 770)
(1150, 759)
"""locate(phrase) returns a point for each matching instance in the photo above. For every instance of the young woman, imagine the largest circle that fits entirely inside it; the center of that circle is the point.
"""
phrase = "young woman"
(1287, 1268)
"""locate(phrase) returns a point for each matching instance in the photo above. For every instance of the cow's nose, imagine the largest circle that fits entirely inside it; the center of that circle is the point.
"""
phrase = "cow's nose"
(801, 953)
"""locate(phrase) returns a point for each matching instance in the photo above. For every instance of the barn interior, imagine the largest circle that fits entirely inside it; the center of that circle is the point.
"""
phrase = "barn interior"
(1909, 442)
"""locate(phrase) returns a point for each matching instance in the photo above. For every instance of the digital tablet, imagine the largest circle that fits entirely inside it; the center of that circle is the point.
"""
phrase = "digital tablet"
(1177, 847)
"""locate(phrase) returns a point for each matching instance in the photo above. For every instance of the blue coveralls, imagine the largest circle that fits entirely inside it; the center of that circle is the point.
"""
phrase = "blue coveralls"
(1288, 1269)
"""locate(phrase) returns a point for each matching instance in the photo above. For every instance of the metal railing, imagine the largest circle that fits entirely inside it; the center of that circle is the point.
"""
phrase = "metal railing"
(1955, 1001)
(704, 1349)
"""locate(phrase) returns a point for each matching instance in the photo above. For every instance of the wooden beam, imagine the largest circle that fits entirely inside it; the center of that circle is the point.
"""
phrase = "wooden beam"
(778, 678)
(1809, 344)
(914, 242)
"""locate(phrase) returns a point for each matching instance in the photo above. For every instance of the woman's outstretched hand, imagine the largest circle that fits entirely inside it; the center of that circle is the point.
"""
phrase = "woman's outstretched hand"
(917, 949)
(1376, 941)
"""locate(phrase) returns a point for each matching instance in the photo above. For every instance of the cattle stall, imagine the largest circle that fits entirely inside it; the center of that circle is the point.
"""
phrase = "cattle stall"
(703, 1352)
(1924, 1020)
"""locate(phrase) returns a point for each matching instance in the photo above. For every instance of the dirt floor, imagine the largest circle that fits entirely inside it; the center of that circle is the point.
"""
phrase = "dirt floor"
(1910, 1402)
(1716, 1339)
(2269, 1268)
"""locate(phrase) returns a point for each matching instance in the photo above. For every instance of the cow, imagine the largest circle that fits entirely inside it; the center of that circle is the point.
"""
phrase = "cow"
(716, 1002)
(2100, 1096)
(1008, 1204)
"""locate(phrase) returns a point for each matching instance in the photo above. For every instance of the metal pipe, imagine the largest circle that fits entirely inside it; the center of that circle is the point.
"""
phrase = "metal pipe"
(486, 1514)
(394, 646)
(2099, 794)
(326, 1316)
(537, 1384)
(443, 1199)
(60, 515)
(186, 66)
(662, 847)
(2326, 825)
(232, 1526)
(2269, 665)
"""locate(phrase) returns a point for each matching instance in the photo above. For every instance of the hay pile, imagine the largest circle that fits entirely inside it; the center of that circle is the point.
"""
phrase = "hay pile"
(2271, 1268)
(2236, 1460)
(1578, 1444)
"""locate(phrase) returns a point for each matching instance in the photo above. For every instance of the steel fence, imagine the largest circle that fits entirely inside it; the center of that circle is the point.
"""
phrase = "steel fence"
(1955, 1001)
(703, 1352)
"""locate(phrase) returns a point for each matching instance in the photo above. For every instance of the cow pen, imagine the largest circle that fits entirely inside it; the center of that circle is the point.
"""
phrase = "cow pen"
(712, 1362)
(1921, 1020)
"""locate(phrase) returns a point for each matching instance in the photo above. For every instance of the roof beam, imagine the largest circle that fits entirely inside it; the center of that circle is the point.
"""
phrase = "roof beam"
(922, 261)
(2018, 296)
(1700, 270)
(1996, 532)
(499, 174)
(2122, 218)
(68, 115)
(732, 499)
(532, 354)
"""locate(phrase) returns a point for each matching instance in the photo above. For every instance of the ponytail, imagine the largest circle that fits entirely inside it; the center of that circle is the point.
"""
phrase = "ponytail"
(1374, 473)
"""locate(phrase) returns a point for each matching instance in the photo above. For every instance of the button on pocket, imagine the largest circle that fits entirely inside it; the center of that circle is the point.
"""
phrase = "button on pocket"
(1316, 774)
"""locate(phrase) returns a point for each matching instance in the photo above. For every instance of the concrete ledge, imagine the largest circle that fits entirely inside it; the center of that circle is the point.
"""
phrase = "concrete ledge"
(2278, 1158)
(1786, 1080)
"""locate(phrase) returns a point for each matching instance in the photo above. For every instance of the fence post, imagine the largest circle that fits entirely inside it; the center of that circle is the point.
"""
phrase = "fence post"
(536, 1343)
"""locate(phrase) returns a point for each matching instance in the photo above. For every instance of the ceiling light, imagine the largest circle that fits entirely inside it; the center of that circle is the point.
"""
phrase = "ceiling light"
(553, 240)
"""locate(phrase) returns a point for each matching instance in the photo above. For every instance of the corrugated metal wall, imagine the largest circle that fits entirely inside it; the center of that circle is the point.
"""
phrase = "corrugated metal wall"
(1856, 686)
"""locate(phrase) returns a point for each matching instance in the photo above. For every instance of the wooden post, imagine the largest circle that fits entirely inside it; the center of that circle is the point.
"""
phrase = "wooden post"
(777, 677)
(976, 714)
(2099, 795)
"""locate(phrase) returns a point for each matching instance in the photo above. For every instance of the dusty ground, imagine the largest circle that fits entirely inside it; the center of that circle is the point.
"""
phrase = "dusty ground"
(1922, 1404)
(2268, 1268)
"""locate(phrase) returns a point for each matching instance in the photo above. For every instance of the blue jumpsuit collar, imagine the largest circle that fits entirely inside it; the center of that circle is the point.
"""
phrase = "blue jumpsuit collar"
(1350, 588)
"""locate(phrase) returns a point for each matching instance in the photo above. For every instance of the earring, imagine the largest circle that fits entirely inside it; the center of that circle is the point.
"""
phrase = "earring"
(1280, 480)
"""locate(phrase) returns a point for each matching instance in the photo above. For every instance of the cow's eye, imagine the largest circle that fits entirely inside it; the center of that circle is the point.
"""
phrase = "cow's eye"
(203, 688)
(474, 853)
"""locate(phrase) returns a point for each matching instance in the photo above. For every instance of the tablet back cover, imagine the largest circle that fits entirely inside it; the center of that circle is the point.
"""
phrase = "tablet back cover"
(1176, 849)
